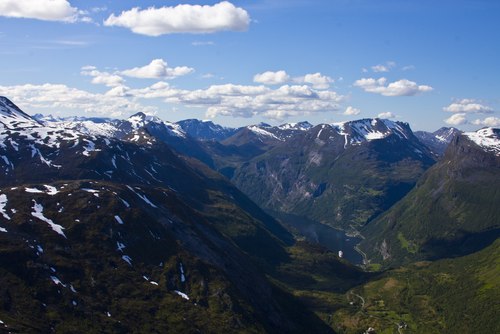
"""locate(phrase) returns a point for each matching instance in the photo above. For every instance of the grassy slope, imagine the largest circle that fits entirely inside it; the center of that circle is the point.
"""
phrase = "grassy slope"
(447, 296)
(452, 211)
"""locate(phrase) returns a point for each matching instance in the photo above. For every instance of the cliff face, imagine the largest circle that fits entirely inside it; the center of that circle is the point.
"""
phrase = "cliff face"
(452, 211)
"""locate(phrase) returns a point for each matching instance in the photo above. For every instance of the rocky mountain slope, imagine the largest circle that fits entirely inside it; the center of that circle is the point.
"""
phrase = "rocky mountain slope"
(438, 140)
(101, 234)
(452, 211)
(105, 227)
(340, 174)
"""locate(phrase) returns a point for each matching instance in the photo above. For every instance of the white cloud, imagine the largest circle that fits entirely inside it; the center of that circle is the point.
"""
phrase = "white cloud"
(401, 87)
(456, 119)
(102, 78)
(317, 80)
(272, 78)
(488, 121)
(383, 67)
(207, 76)
(200, 43)
(468, 106)
(408, 68)
(351, 111)
(226, 100)
(157, 69)
(57, 97)
(247, 101)
(46, 10)
(182, 18)
(386, 115)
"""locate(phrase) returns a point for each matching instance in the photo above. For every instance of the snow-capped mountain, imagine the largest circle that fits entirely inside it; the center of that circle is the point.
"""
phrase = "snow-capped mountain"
(205, 130)
(438, 140)
(454, 210)
(360, 131)
(487, 138)
(11, 117)
(320, 171)
(86, 218)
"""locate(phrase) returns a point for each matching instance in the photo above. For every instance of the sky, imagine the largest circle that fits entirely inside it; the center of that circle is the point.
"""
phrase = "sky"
(426, 62)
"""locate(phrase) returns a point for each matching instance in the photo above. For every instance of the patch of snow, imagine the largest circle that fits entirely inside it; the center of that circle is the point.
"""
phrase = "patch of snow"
(143, 197)
(182, 294)
(38, 213)
(57, 281)
(124, 202)
(153, 282)
(486, 138)
(89, 148)
(51, 190)
(119, 220)
(127, 259)
(120, 246)
(183, 278)
(3, 230)
(3, 203)
(7, 161)
(33, 190)
(261, 132)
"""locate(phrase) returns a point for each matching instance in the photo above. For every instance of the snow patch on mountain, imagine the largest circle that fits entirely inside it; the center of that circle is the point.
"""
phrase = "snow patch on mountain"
(38, 213)
(3, 203)
(261, 132)
(360, 131)
(487, 138)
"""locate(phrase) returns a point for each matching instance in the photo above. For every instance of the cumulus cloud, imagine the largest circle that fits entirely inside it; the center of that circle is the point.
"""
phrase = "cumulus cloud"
(383, 67)
(468, 106)
(246, 100)
(272, 78)
(456, 119)
(225, 100)
(58, 97)
(157, 69)
(317, 80)
(386, 115)
(102, 78)
(46, 10)
(351, 111)
(401, 87)
(184, 18)
(488, 121)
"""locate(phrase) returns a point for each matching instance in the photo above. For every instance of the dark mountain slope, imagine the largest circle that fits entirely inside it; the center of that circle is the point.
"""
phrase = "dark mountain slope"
(438, 140)
(452, 211)
(143, 231)
(342, 175)
(205, 130)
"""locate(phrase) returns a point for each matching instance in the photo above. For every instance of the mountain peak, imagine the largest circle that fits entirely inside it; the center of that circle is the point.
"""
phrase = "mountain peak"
(13, 117)
(486, 138)
(304, 125)
(368, 129)
(140, 119)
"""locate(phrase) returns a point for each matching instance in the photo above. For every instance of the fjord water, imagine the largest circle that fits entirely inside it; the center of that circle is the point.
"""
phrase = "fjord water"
(327, 236)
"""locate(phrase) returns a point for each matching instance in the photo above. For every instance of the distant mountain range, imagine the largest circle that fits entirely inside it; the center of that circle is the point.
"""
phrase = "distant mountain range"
(145, 225)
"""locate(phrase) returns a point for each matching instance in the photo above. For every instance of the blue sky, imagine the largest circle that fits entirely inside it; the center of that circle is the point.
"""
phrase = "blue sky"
(429, 63)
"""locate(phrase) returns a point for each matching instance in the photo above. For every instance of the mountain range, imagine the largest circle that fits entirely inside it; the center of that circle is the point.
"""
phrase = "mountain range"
(145, 225)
